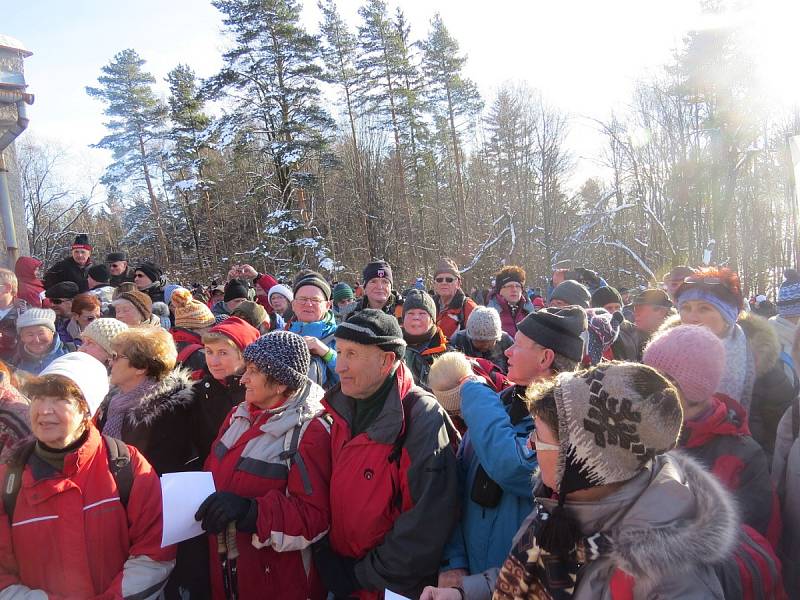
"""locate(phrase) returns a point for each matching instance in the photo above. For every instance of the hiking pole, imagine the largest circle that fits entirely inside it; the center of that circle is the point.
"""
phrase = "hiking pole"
(222, 551)
(233, 555)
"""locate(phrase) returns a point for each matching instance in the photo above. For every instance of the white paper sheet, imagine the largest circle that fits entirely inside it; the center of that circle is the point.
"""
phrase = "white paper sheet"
(390, 595)
(181, 496)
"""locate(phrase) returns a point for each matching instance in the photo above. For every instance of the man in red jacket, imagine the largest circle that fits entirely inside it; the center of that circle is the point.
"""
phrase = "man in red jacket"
(394, 482)
(453, 306)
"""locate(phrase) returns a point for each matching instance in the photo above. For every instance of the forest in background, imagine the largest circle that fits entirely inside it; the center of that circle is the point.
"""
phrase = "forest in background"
(410, 163)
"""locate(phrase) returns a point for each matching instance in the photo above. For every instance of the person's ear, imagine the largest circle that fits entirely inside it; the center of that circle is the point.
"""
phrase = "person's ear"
(547, 358)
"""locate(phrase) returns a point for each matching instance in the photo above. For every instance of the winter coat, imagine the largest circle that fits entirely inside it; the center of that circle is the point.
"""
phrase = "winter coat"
(159, 424)
(156, 290)
(220, 309)
(292, 496)
(771, 390)
(191, 342)
(321, 371)
(786, 476)
(394, 516)
(721, 442)
(24, 361)
(508, 317)
(68, 270)
(127, 276)
(461, 342)
(629, 343)
(393, 306)
(668, 527)
(73, 538)
(15, 420)
(104, 293)
(419, 358)
(213, 401)
(29, 287)
(454, 317)
(494, 448)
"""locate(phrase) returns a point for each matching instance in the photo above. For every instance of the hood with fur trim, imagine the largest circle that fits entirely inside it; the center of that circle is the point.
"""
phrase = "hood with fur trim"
(173, 392)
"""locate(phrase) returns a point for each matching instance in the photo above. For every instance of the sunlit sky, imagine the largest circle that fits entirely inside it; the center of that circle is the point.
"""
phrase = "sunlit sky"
(585, 56)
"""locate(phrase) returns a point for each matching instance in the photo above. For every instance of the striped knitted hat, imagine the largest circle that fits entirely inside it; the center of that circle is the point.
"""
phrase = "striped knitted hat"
(189, 313)
(789, 294)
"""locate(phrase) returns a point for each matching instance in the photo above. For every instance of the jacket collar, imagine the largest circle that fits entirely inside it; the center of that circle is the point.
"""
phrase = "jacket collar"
(727, 417)
(302, 406)
(173, 392)
(456, 302)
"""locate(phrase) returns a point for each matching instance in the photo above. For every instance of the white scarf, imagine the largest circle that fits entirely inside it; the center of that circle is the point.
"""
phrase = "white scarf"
(737, 380)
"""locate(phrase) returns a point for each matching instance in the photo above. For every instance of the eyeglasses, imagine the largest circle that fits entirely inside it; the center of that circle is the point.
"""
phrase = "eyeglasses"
(534, 443)
(444, 279)
(304, 300)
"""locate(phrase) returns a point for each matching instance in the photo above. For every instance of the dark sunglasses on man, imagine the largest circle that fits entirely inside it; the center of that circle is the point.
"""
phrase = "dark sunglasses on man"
(445, 279)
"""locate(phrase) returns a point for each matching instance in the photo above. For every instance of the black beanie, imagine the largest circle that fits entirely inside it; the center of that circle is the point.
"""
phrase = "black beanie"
(99, 273)
(372, 327)
(419, 299)
(379, 268)
(315, 279)
(236, 288)
(152, 270)
(116, 257)
(63, 289)
(605, 295)
(559, 329)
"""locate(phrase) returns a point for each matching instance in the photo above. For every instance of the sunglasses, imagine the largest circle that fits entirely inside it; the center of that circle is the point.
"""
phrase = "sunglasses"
(445, 279)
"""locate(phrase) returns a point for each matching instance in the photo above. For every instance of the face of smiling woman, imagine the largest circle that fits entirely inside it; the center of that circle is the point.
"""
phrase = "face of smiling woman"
(56, 421)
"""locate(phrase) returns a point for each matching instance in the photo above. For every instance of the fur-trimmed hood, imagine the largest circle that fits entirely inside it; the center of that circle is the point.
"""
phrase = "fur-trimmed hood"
(761, 337)
(173, 392)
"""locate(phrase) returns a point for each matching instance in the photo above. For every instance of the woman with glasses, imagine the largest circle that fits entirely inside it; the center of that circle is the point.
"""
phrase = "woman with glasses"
(86, 308)
(754, 373)
(509, 298)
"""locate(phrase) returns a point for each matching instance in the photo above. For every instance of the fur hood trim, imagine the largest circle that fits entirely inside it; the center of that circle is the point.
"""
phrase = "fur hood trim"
(661, 553)
(761, 338)
(174, 392)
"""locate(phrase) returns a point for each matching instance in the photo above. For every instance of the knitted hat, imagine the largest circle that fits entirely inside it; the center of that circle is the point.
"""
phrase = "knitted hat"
(603, 330)
(509, 274)
(189, 313)
(572, 292)
(282, 355)
(605, 295)
(140, 300)
(252, 312)
(559, 329)
(99, 273)
(152, 270)
(692, 356)
(789, 294)
(116, 257)
(86, 372)
(483, 324)
(342, 291)
(445, 378)
(282, 290)
(419, 299)
(315, 279)
(653, 297)
(612, 420)
(446, 265)
(37, 316)
(236, 288)
(378, 268)
(103, 331)
(372, 327)
(81, 242)
(169, 289)
(63, 289)
(238, 330)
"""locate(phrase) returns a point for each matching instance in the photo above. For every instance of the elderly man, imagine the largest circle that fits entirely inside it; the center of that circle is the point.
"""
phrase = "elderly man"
(394, 488)
(74, 267)
(453, 306)
(650, 309)
(118, 268)
(378, 293)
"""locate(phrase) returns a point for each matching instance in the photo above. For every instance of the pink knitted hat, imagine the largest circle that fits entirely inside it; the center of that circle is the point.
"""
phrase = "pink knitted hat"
(692, 356)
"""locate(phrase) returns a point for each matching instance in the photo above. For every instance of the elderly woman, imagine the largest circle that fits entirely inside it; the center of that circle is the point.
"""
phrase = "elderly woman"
(38, 343)
(66, 476)
(135, 309)
(271, 466)
(85, 309)
(97, 338)
(425, 340)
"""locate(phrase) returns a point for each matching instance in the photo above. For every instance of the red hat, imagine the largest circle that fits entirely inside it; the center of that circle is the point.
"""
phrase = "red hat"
(82, 242)
(240, 332)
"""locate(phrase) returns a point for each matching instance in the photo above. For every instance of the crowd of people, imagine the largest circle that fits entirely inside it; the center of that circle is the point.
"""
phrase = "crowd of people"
(580, 442)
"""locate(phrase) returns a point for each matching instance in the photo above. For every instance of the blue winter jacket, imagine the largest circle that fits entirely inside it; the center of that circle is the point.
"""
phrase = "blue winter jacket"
(320, 372)
(25, 362)
(483, 537)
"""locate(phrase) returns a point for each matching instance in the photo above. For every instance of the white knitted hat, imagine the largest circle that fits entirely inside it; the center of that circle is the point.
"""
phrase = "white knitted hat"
(86, 372)
(37, 316)
(483, 324)
(282, 290)
(103, 331)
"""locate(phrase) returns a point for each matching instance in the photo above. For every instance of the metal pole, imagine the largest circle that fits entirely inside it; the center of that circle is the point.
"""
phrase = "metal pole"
(6, 211)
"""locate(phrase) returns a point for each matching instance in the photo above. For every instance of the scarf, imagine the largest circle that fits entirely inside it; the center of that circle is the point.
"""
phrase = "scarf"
(120, 405)
(737, 380)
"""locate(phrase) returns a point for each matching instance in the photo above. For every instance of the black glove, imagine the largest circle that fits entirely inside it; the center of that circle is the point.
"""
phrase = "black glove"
(336, 571)
(221, 508)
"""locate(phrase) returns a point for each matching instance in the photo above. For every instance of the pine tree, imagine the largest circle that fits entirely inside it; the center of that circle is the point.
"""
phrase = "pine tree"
(136, 125)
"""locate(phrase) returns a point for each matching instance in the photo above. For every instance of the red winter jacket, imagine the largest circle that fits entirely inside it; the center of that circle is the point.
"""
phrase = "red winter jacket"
(276, 561)
(266, 281)
(29, 287)
(72, 537)
(721, 441)
(395, 516)
(454, 317)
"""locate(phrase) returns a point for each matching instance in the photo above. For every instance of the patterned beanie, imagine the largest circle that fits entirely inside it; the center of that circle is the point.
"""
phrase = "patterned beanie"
(37, 316)
(103, 331)
(789, 294)
(612, 419)
(314, 279)
(603, 330)
(371, 327)
(282, 355)
(692, 356)
(483, 324)
(378, 268)
(419, 299)
(189, 313)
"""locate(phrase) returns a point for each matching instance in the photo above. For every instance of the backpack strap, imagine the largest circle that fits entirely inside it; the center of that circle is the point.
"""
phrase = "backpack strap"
(119, 463)
(13, 479)
(187, 351)
(291, 454)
